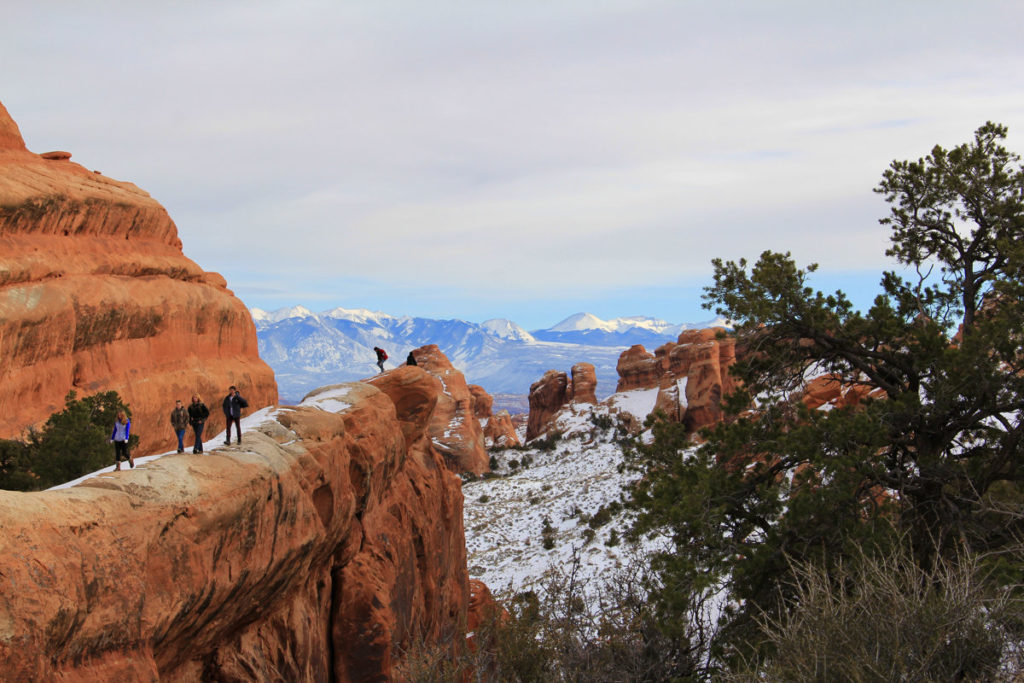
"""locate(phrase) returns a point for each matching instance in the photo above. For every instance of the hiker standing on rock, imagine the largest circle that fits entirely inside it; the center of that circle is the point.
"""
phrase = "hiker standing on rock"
(179, 421)
(411, 360)
(382, 356)
(197, 414)
(232, 405)
(119, 437)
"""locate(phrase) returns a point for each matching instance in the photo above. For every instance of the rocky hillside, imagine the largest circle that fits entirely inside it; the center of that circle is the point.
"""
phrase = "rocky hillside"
(96, 294)
(318, 550)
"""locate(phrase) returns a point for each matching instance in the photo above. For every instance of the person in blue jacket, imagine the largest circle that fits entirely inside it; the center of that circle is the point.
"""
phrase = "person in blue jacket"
(119, 437)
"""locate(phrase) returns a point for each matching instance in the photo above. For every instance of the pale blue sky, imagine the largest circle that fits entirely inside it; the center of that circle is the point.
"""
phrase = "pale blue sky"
(526, 160)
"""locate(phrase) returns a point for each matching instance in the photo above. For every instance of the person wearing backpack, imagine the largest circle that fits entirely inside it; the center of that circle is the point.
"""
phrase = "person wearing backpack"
(382, 356)
(232, 405)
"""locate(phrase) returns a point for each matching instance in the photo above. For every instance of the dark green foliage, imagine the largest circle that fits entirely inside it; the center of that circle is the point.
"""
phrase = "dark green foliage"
(604, 514)
(933, 454)
(15, 467)
(547, 442)
(73, 442)
(547, 534)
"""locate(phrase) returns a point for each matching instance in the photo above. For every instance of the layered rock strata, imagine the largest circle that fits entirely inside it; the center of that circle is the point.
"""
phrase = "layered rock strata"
(96, 295)
(320, 550)
(435, 397)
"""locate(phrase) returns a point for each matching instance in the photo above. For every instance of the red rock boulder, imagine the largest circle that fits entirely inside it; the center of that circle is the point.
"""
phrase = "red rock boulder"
(583, 387)
(547, 396)
(435, 395)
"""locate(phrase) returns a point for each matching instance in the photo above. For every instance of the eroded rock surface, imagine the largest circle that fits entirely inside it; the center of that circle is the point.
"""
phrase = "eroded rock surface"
(556, 389)
(319, 550)
(96, 294)
(435, 397)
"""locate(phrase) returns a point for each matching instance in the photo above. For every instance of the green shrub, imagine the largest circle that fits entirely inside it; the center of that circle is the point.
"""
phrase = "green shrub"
(547, 534)
(604, 514)
(73, 442)
(547, 443)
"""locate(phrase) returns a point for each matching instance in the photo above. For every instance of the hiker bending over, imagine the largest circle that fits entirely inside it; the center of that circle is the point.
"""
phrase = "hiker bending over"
(382, 356)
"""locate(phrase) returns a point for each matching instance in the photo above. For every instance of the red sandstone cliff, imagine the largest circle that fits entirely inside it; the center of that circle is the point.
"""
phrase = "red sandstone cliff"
(437, 399)
(96, 294)
(318, 552)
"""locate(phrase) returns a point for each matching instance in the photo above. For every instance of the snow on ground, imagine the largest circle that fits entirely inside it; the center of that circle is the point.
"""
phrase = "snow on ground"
(330, 400)
(504, 516)
(639, 402)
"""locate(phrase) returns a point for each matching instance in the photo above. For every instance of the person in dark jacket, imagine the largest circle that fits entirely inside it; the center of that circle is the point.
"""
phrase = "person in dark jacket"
(179, 421)
(232, 405)
(197, 414)
(411, 360)
(119, 437)
(382, 356)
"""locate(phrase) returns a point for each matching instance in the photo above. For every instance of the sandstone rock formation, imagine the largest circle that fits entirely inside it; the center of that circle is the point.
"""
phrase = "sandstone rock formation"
(483, 403)
(96, 294)
(692, 375)
(318, 551)
(434, 396)
(553, 391)
(498, 429)
(583, 387)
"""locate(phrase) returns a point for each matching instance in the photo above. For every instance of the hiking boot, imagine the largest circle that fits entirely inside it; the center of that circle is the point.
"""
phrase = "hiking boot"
(131, 461)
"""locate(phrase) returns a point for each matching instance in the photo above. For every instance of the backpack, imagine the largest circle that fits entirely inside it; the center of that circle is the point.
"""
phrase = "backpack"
(383, 354)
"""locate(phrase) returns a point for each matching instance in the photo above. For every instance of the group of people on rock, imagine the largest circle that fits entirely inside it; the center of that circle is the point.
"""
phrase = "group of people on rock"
(181, 418)
(196, 415)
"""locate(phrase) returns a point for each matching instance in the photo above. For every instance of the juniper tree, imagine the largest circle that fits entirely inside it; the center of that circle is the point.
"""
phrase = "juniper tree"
(931, 453)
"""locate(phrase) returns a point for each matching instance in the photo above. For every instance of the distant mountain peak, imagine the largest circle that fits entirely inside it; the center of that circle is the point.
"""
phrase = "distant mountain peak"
(588, 321)
(582, 321)
(359, 315)
(506, 329)
(276, 316)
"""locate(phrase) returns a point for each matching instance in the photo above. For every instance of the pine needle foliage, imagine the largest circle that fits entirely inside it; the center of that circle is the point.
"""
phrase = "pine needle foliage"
(932, 449)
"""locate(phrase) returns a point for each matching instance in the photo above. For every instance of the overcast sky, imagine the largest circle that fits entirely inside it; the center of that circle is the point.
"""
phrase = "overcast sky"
(521, 159)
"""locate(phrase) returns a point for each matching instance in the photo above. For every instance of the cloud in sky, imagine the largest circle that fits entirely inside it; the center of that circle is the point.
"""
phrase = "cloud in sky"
(526, 159)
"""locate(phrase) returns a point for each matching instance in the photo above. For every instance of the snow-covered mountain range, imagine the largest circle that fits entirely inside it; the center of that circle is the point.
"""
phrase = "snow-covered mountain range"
(308, 350)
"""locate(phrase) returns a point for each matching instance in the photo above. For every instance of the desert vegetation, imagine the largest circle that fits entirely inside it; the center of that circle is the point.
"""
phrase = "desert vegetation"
(72, 442)
(880, 537)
